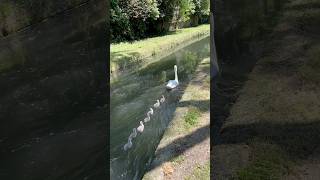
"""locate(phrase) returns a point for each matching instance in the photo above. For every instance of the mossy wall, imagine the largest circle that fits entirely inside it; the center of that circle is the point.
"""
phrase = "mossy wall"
(52, 80)
(17, 14)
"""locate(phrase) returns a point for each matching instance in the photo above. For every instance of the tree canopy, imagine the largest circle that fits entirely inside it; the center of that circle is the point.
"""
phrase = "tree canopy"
(136, 19)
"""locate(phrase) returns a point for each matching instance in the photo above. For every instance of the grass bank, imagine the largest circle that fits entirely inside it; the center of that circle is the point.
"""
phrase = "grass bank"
(277, 113)
(128, 56)
(184, 150)
(200, 172)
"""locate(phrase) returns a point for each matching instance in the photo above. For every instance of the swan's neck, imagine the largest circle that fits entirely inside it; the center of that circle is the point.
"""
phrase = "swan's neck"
(175, 75)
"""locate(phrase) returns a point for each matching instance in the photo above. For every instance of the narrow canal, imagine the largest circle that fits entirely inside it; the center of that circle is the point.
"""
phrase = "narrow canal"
(133, 95)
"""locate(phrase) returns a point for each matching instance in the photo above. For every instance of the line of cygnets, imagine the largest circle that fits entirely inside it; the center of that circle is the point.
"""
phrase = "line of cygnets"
(170, 85)
(140, 129)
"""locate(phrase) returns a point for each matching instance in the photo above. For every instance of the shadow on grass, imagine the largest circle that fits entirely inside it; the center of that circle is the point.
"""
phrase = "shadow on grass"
(180, 145)
(202, 105)
(298, 140)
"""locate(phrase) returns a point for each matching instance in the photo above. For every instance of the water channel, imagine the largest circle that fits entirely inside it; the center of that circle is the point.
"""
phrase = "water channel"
(131, 98)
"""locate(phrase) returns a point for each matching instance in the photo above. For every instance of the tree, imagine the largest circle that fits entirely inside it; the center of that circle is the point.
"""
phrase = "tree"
(136, 19)
(119, 21)
(205, 7)
(141, 9)
(129, 18)
(187, 8)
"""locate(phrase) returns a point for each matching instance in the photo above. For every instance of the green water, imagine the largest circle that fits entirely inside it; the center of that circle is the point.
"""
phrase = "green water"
(131, 98)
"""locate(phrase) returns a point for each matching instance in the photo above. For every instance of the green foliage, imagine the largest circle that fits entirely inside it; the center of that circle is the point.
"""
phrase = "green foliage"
(197, 4)
(119, 21)
(205, 7)
(141, 9)
(187, 8)
(201, 7)
(129, 18)
(136, 19)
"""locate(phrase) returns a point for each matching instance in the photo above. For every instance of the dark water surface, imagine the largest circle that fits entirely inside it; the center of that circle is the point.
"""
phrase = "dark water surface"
(131, 98)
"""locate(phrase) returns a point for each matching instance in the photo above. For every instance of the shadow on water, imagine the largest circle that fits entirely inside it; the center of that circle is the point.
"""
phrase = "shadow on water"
(131, 98)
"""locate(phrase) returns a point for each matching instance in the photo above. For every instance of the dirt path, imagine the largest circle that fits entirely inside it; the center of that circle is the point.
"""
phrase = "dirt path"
(197, 155)
(184, 151)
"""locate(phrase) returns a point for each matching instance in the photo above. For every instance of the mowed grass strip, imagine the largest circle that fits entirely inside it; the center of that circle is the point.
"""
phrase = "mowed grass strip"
(154, 45)
(134, 52)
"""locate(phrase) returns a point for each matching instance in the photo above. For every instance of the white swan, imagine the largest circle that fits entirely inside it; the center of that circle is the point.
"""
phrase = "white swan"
(147, 119)
(141, 127)
(133, 134)
(128, 145)
(150, 112)
(162, 99)
(157, 104)
(173, 83)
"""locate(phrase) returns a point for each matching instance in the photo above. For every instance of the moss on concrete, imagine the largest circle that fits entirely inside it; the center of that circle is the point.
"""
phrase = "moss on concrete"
(18, 14)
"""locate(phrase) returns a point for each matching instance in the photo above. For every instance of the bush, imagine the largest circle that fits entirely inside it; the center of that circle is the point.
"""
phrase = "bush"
(136, 19)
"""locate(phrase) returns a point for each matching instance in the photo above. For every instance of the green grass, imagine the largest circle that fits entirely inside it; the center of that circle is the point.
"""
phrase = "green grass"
(177, 160)
(200, 172)
(128, 55)
(268, 162)
(192, 116)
